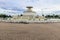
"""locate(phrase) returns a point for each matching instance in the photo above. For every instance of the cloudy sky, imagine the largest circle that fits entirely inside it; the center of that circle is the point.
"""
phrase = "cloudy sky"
(34, 3)
(37, 4)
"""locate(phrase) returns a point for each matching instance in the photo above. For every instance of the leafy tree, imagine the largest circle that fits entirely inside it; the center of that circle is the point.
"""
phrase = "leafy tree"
(21, 15)
(5, 16)
(43, 15)
(52, 16)
(55, 16)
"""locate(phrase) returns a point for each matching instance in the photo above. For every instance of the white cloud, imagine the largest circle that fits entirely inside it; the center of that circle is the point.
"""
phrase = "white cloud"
(46, 5)
(34, 3)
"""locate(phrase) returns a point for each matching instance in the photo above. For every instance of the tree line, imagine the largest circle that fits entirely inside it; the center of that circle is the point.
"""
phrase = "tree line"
(5, 16)
(52, 16)
(47, 16)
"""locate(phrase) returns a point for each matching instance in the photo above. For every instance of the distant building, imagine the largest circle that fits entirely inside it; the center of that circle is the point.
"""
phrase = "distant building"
(29, 14)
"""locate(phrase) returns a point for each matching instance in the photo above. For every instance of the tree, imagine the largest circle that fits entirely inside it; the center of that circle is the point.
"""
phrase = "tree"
(48, 16)
(43, 15)
(21, 15)
(5, 16)
(52, 16)
(55, 16)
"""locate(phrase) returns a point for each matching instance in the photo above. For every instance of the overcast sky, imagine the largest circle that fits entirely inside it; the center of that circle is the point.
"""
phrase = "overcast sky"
(37, 4)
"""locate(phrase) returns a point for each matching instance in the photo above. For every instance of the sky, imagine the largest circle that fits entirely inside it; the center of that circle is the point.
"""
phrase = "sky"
(34, 3)
(37, 4)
